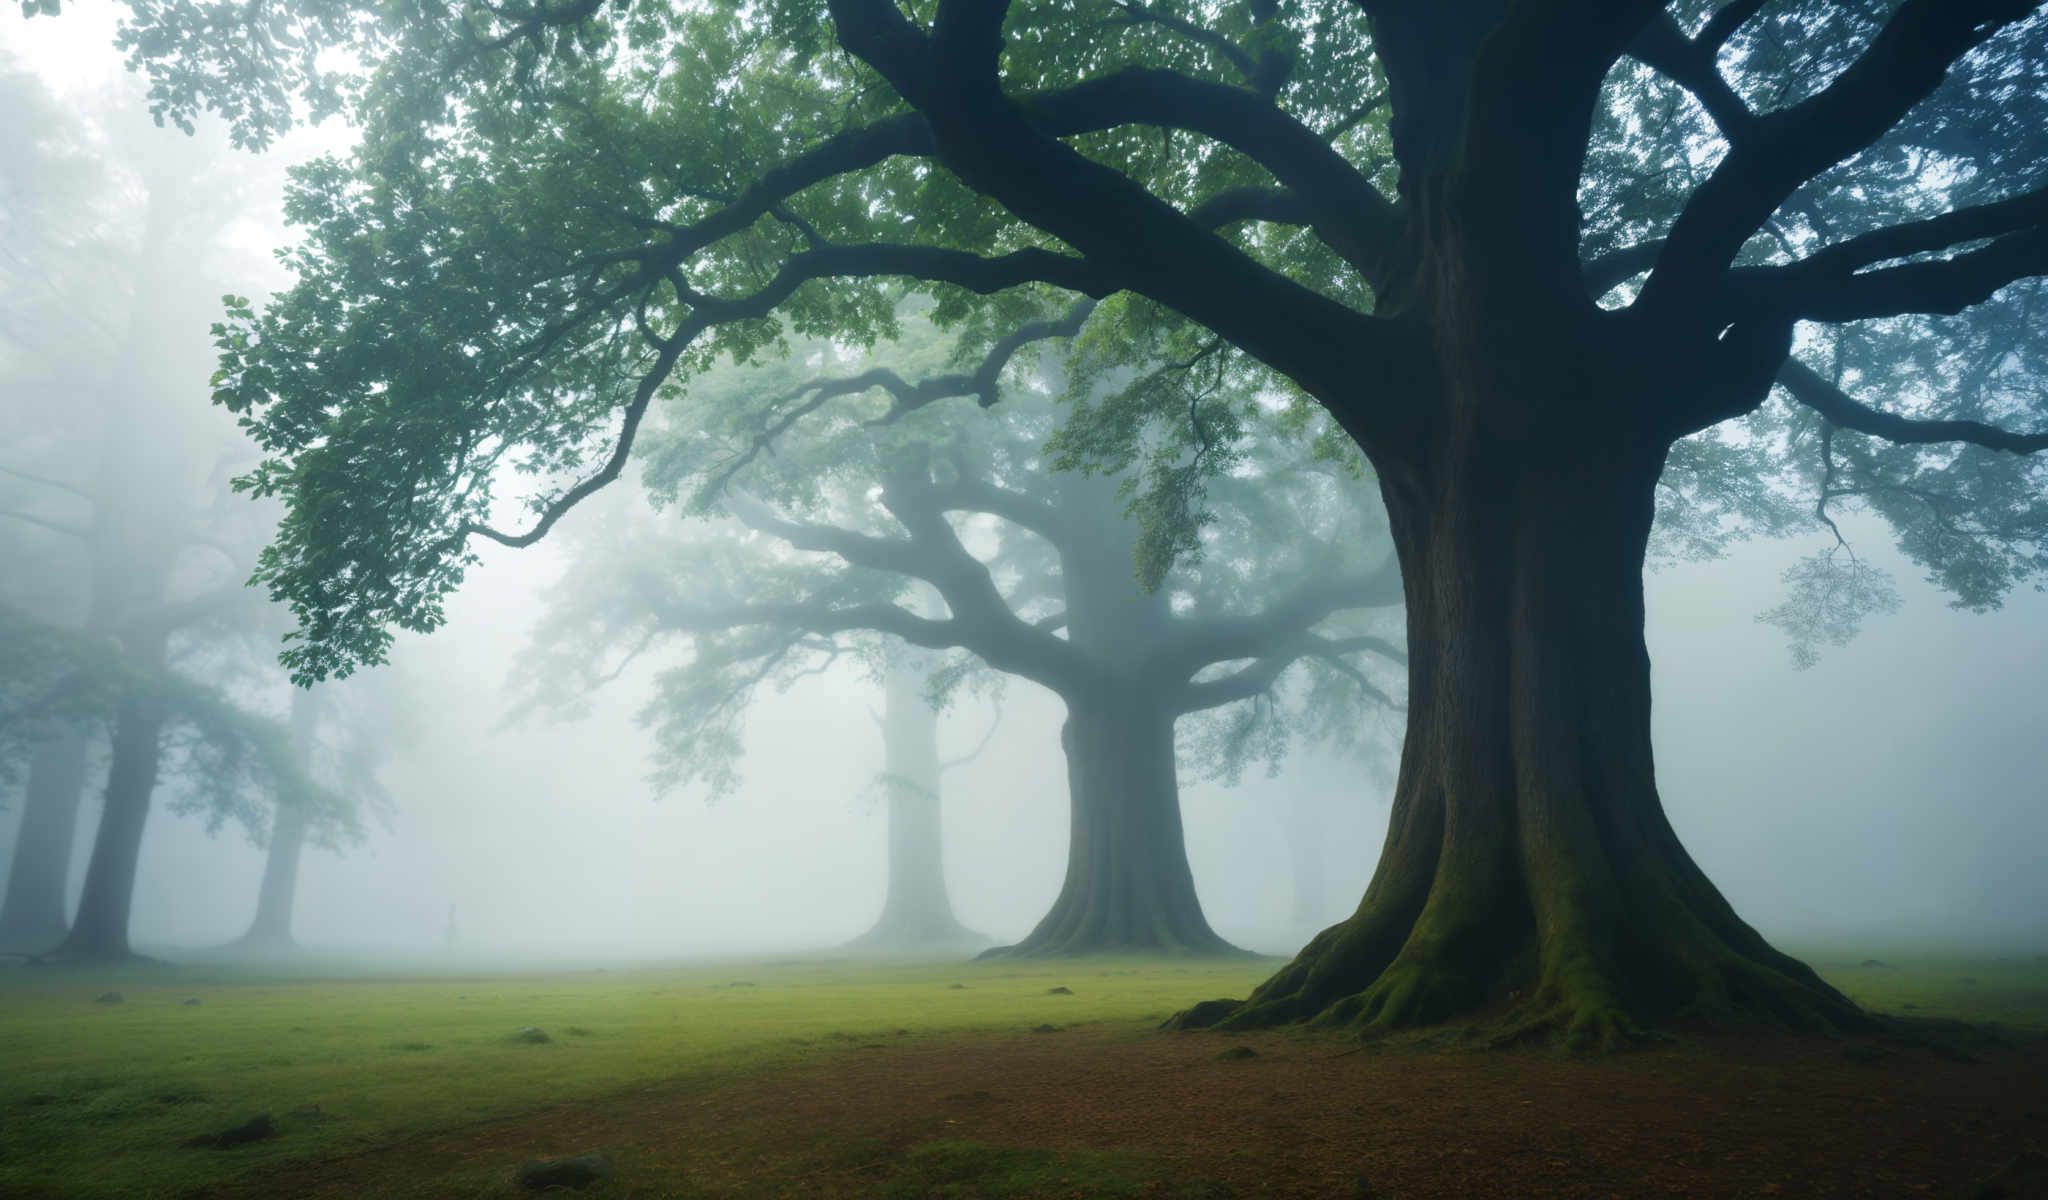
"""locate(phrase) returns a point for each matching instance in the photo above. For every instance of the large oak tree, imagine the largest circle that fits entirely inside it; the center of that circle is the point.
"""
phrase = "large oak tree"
(1437, 221)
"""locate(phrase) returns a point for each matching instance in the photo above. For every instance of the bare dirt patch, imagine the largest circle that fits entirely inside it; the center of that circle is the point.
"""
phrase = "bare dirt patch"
(1299, 1117)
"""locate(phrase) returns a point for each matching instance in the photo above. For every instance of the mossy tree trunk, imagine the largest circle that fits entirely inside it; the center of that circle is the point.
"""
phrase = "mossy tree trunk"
(33, 916)
(1529, 869)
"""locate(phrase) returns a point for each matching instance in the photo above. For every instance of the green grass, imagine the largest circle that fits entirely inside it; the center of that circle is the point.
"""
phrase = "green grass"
(97, 1099)
(2011, 991)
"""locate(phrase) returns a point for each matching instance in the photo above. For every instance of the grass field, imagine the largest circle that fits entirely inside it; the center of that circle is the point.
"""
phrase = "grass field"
(98, 1099)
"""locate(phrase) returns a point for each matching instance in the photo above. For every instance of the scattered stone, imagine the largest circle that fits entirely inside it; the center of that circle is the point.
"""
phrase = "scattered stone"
(108, 998)
(577, 1031)
(1048, 1029)
(1238, 1053)
(1059, 991)
(1871, 962)
(2024, 1176)
(540, 1174)
(532, 1035)
(192, 1003)
(1362, 1186)
(309, 1113)
(256, 1129)
(956, 987)
(741, 983)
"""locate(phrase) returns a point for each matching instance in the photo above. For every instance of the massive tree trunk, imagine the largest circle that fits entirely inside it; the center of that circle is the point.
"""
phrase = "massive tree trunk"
(917, 915)
(33, 916)
(1128, 888)
(100, 931)
(1529, 871)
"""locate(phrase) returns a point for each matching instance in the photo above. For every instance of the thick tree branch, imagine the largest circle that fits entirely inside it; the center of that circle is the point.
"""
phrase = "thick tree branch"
(1285, 650)
(822, 620)
(63, 527)
(980, 496)
(1611, 270)
(918, 262)
(46, 481)
(1198, 643)
(1663, 46)
(1808, 387)
(1947, 285)
(1125, 231)
(1905, 61)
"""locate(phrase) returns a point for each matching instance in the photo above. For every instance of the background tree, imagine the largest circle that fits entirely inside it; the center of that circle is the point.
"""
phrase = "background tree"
(878, 511)
(1223, 171)
(336, 741)
(117, 497)
(917, 913)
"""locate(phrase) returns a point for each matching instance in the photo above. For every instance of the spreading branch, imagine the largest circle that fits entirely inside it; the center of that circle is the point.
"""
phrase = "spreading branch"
(1808, 387)
(1903, 64)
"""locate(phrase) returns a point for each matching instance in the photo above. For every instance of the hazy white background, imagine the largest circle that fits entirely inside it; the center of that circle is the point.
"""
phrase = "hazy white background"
(1892, 794)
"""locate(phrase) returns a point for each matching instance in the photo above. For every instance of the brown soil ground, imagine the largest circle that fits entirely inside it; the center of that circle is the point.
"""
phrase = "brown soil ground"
(1300, 1117)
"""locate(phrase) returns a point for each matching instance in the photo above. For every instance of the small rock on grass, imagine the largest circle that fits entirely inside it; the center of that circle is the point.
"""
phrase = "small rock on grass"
(532, 1035)
(1048, 1029)
(956, 987)
(256, 1129)
(540, 1174)
(1871, 962)
(1238, 1052)
(194, 1002)
(1059, 991)
(107, 998)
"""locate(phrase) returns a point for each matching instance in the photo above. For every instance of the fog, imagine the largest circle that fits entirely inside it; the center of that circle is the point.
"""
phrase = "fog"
(1891, 794)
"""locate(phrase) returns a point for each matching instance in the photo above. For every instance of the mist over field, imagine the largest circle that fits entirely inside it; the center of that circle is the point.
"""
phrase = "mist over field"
(1891, 792)
(1029, 599)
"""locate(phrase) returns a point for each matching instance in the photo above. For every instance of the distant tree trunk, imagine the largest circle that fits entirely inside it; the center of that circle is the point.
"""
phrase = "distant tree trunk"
(278, 894)
(32, 917)
(917, 913)
(1305, 856)
(101, 929)
(1128, 887)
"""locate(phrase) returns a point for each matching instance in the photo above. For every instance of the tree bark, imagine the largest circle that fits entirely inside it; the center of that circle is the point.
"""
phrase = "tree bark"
(1529, 871)
(917, 915)
(33, 917)
(1128, 888)
(100, 931)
